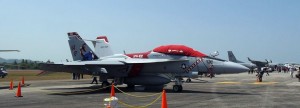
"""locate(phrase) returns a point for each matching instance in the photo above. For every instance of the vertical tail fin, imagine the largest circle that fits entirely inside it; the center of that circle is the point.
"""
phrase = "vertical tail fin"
(102, 47)
(249, 59)
(232, 58)
(79, 49)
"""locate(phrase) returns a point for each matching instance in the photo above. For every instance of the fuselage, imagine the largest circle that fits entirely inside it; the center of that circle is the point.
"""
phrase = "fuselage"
(249, 65)
(161, 73)
(192, 64)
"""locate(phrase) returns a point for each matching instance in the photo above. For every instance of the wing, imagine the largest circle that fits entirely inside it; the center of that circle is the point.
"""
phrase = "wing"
(9, 50)
(114, 66)
(77, 66)
(52, 67)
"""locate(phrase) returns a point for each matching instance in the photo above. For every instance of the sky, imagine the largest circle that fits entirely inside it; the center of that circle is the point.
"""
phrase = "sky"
(259, 29)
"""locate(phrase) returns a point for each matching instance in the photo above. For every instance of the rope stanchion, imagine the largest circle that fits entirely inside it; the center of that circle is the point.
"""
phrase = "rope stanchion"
(132, 106)
(137, 95)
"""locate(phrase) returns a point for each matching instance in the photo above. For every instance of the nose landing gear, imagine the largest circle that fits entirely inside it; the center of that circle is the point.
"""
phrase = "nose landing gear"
(178, 85)
(177, 88)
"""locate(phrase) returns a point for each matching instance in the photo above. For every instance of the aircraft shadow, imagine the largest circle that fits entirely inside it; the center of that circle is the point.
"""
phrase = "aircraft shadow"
(209, 92)
(90, 87)
(198, 81)
(75, 91)
(5, 87)
(98, 90)
(195, 81)
(15, 87)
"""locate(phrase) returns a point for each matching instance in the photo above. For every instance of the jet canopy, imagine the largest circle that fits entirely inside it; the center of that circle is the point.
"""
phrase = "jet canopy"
(178, 50)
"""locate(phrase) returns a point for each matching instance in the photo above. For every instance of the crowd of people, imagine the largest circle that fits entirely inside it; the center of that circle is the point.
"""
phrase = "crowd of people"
(291, 70)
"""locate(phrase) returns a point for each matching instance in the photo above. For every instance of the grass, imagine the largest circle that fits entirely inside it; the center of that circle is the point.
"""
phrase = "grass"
(30, 75)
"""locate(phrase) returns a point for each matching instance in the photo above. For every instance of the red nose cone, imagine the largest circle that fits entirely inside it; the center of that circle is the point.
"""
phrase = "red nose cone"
(103, 37)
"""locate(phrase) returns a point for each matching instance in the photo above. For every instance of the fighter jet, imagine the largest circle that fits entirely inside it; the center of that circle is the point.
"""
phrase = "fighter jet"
(3, 71)
(232, 58)
(259, 63)
(253, 64)
(152, 68)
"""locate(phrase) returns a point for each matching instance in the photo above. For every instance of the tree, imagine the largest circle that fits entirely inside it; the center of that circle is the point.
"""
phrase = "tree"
(15, 62)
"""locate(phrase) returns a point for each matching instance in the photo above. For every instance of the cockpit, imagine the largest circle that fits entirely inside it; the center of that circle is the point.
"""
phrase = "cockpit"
(178, 50)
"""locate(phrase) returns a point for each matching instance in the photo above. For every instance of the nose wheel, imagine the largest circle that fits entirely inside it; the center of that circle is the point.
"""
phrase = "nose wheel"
(177, 88)
(178, 85)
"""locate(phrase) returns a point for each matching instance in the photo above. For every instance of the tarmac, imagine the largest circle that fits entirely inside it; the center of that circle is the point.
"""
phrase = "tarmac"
(223, 91)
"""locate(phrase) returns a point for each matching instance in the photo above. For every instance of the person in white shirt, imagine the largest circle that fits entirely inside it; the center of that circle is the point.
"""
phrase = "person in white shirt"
(291, 71)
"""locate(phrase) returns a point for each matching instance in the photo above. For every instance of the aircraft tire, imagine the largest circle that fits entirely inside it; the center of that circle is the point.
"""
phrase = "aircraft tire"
(177, 88)
(188, 80)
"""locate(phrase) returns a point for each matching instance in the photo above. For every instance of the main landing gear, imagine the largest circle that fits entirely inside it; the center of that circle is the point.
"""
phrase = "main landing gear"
(178, 85)
(188, 80)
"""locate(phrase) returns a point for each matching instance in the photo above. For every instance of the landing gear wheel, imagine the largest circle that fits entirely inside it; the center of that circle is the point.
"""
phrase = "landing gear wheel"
(188, 80)
(105, 84)
(177, 88)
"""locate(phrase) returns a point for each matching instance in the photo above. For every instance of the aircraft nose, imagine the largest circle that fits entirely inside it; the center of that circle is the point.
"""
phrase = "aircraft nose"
(231, 67)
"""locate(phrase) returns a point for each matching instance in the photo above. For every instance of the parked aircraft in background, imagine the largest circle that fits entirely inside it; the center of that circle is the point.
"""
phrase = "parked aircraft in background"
(152, 68)
(232, 58)
(3, 71)
(273, 66)
(261, 64)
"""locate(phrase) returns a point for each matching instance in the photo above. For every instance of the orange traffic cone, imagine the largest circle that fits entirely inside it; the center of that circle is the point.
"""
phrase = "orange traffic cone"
(18, 94)
(11, 86)
(23, 81)
(112, 91)
(164, 103)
